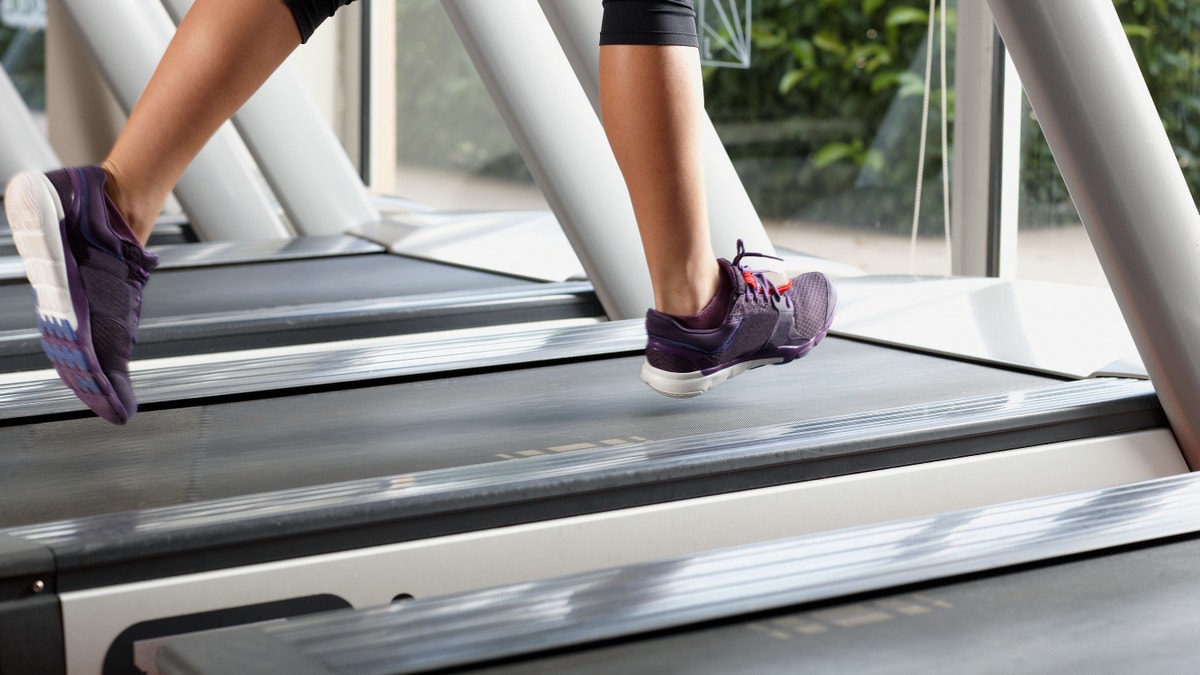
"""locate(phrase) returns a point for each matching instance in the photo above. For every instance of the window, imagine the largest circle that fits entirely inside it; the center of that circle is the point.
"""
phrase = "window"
(453, 150)
(824, 129)
(1165, 37)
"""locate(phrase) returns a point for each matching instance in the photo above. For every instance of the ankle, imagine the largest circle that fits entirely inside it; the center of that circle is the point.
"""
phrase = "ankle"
(137, 215)
(686, 295)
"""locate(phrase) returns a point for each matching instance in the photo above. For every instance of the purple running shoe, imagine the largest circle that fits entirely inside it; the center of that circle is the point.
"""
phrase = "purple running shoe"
(765, 324)
(87, 270)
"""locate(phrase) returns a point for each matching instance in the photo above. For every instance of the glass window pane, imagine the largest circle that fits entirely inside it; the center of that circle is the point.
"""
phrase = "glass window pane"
(824, 128)
(23, 51)
(453, 149)
(1052, 245)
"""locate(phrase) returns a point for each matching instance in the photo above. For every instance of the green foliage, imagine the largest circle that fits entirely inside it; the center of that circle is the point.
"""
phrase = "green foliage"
(824, 125)
(446, 120)
(23, 57)
(1165, 36)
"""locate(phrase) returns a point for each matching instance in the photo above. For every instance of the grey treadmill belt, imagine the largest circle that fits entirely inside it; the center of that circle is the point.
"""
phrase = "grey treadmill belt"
(211, 309)
(187, 292)
(297, 282)
(76, 468)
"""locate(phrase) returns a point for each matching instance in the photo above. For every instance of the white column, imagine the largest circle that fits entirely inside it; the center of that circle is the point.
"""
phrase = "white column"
(1093, 104)
(219, 190)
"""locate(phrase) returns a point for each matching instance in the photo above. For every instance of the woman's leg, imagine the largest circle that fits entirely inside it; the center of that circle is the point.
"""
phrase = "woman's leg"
(713, 319)
(652, 100)
(222, 53)
(81, 231)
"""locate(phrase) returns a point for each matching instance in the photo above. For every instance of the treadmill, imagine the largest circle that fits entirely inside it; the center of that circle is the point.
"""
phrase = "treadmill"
(267, 483)
(184, 553)
(1100, 580)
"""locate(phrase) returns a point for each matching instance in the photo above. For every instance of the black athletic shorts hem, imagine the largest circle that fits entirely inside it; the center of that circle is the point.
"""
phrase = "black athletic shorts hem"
(649, 22)
(660, 39)
(312, 13)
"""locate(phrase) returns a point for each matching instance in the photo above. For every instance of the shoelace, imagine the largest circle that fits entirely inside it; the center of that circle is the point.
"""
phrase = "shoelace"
(758, 286)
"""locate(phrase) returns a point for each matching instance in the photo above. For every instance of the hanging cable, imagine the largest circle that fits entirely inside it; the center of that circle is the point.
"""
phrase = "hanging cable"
(946, 148)
(921, 153)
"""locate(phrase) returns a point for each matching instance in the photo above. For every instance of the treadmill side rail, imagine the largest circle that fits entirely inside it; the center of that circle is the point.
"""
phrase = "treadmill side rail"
(31, 627)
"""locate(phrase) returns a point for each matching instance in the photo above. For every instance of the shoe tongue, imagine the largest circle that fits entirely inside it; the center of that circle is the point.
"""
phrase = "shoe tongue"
(779, 279)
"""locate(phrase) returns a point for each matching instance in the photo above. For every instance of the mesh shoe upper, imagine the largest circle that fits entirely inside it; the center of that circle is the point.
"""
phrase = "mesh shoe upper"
(765, 321)
(106, 270)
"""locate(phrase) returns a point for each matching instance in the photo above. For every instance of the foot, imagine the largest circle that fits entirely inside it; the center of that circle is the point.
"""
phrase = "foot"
(765, 324)
(87, 270)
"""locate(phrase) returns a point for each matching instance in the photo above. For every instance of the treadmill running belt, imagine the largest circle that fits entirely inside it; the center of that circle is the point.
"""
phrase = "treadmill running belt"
(73, 468)
(204, 290)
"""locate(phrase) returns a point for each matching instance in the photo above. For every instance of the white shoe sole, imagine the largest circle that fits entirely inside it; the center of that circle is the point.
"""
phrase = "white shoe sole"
(34, 214)
(691, 385)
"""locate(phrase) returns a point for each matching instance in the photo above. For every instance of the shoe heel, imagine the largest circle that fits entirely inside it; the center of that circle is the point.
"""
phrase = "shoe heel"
(35, 212)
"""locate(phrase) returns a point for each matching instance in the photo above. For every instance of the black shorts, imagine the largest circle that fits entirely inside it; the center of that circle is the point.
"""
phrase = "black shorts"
(626, 22)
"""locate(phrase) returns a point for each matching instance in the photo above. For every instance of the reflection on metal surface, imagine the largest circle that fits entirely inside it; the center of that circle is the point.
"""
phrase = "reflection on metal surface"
(11, 268)
(1058, 329)
(184, 378)
(527, 244)
(585, 608)
(238, 252)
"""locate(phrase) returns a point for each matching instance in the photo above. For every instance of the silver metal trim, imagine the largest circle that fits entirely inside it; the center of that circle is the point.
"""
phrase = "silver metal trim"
(194, 377)
(525, 618)
(11, 268)
(337, 313)
(178, 256)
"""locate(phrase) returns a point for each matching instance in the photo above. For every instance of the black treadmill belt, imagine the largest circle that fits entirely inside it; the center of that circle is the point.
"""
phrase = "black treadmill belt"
(205, 290)
(1130, 612)
(297, 282)
(69, 469)
(201, 310)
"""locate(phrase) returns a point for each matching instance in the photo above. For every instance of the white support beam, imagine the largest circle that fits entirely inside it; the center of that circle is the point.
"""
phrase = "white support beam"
(560, 137)
(732, 215)
(1110, 144)
(299, 154)
(219, 191)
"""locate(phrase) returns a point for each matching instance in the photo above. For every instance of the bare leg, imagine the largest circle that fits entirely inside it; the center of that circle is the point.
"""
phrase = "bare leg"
(651, 99)
(222, 53)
